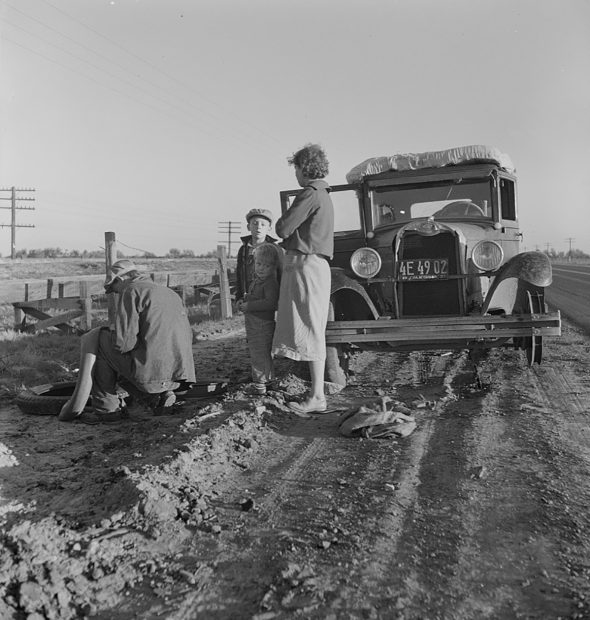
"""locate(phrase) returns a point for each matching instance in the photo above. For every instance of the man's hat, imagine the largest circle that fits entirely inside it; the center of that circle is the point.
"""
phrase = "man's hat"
(118, 269)
(265, 213)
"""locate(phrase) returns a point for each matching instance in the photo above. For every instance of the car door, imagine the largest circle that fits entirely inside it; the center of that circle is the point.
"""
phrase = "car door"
(348, 220)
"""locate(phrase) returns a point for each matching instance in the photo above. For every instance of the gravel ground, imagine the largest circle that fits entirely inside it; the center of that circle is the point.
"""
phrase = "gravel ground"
(236, 508)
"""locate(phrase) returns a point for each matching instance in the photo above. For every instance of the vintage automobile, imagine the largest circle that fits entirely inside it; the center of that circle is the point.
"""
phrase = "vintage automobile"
(427, 256)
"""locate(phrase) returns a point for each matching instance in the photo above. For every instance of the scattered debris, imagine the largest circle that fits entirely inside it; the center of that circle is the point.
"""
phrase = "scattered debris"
(379, 421)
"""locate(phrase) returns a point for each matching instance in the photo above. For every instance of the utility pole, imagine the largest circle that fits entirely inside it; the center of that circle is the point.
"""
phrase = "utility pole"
(569, 256)
(13, 207)
(230, 228)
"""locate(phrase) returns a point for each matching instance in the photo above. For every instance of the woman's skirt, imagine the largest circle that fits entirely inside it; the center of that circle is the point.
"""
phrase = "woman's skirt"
(302, 314)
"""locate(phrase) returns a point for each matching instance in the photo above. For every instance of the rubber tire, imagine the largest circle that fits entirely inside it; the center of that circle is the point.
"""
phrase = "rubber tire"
(48, 399)
(45, 399)
(533, 345)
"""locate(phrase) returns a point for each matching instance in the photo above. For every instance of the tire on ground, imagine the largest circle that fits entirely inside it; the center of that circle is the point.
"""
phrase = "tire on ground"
(45, 399)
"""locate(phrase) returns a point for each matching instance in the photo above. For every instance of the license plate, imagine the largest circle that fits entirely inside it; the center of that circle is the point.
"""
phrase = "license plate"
(424, 269)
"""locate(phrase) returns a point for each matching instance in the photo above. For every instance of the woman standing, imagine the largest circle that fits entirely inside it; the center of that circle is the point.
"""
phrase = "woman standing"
(307, 230)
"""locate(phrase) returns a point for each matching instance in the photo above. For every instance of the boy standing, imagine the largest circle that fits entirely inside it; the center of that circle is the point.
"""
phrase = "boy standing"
(259, 224)
(259, 306)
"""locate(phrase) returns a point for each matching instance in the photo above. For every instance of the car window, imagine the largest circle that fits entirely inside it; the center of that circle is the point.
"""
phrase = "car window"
(392, 205)
(507, 200)
(347, 215)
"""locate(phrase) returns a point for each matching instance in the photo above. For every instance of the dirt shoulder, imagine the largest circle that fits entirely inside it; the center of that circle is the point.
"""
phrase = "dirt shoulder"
(238, 509)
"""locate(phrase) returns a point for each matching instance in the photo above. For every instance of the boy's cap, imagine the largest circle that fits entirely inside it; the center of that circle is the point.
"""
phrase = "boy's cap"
(265, 213)
(118, 269)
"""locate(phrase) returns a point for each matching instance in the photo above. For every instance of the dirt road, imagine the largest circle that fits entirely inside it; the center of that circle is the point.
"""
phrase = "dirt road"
(239, 509)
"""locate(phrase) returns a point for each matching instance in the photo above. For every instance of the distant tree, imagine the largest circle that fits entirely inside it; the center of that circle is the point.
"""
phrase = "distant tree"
(92, 254)
(149, 255)
(188, 254)
(174, 253)
(209, 254)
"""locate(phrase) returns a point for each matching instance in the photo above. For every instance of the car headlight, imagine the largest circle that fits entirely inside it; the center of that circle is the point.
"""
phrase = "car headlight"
(487, 255)
(365, 263)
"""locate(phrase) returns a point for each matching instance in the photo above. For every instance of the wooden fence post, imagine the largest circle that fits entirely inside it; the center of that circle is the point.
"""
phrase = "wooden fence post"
(19, 315)
(86, 306)
(49, 287)
(224, 292)
(110, 249)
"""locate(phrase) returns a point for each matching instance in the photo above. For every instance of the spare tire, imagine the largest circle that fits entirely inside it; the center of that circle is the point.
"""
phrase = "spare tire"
(47, 399)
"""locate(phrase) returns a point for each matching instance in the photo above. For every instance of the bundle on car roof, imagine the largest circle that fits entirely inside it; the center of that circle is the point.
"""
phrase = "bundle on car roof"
(474, 153)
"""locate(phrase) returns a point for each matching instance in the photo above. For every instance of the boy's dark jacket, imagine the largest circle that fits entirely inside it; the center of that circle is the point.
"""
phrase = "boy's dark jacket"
(246, 264)
(263, 297)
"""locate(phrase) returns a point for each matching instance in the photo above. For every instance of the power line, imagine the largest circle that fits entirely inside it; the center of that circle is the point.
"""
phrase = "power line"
(171, 113)
(173, 105)
(13, 208)
(170, 77)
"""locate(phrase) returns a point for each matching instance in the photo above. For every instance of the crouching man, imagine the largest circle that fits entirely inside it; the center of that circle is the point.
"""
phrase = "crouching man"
(148, 350)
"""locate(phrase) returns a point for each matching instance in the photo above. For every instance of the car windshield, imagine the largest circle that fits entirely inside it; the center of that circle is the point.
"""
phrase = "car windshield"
(448, 201)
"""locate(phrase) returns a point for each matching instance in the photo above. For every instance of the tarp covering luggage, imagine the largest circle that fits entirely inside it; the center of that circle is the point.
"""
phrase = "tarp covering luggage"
(431, 159)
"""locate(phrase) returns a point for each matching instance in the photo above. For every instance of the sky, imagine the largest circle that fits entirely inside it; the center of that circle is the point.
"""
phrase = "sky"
(164, 120)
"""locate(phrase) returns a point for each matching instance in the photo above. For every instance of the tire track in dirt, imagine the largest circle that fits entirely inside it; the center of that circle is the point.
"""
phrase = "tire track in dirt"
(353, 518)
(508, 563)
(480, 513)
(485, 536)
(523, 524)
(419, 552)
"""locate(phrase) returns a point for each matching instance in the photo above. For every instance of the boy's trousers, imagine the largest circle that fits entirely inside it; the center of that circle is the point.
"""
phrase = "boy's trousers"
(259, 333)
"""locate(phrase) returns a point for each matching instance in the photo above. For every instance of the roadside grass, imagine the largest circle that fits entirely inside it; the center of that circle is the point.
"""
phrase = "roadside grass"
(32, 359)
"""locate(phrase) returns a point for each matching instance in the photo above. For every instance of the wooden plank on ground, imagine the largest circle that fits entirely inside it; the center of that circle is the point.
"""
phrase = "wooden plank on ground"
(58, 321)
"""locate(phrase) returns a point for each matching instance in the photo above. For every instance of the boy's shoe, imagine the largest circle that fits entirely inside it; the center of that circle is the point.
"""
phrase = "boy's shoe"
(166, 404)
(256, 389)
(273, 386)
(260, 389)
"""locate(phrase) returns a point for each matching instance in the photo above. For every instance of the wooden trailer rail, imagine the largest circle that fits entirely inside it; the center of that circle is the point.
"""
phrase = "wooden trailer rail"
(69, 308)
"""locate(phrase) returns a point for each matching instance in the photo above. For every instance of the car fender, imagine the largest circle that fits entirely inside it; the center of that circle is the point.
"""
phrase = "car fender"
(350, 300)
(523, 271)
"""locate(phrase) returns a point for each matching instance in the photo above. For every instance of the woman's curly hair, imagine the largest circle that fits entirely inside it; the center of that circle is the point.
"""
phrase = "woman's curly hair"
(312, 160)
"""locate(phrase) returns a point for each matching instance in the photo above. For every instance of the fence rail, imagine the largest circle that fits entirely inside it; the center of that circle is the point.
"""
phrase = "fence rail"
(56, 302)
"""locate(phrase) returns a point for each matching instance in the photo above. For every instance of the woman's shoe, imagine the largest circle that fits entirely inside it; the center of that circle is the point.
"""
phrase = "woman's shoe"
(318, 406)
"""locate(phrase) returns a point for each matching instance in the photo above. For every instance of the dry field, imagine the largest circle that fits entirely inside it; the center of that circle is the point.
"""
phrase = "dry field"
(69, 272)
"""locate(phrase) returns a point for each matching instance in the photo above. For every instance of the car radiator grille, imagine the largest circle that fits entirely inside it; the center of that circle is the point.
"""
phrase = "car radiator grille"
(431, 297)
